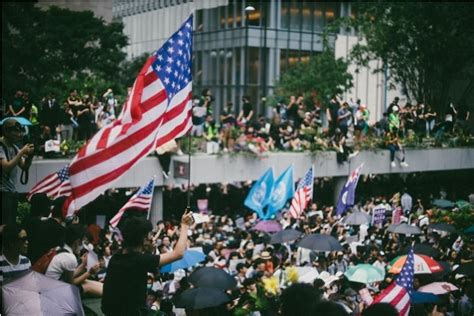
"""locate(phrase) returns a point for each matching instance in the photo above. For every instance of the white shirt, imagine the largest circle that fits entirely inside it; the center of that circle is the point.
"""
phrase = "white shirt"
(62, 262)
(407, 202)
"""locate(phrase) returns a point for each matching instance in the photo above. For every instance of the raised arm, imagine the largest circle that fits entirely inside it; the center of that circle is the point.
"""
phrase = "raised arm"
(180, 247)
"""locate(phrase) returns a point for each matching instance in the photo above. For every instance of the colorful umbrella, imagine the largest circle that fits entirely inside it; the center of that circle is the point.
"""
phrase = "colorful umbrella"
(190, 258)
(364, 273)
(438, 288)
(19, 119)
(469, 230)
(320, 242)
(443, 203)
(423, 264)
(462, 204)
(268, 226)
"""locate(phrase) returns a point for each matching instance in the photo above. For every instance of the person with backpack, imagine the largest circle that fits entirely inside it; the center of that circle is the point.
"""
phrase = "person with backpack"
(64, 265)
(12, 158)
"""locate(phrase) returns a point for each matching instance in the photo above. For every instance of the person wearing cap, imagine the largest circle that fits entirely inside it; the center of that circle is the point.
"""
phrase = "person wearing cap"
(12, 158)
(394, 120)
(349, 302)
(338, 265)
(380, 262)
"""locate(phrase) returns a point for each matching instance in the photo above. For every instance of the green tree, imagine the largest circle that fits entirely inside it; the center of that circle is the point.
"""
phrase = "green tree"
(58, 49)
(427, 47)
(323, 76)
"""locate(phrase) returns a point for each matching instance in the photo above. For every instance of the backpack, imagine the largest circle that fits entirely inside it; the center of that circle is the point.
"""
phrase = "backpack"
(42, 264)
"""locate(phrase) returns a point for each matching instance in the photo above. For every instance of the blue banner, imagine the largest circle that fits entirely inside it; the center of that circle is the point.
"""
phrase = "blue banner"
(283, 190)
(259, 195)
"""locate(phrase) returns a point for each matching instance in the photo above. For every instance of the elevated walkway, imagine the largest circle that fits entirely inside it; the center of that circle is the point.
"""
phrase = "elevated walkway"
(245, 166)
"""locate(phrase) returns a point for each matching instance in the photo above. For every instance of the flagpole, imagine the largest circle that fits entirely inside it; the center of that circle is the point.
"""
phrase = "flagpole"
(189, 170)
(152, 193)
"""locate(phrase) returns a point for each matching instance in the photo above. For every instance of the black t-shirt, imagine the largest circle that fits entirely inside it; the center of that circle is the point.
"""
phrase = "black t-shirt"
(247, 108)
(125, 284)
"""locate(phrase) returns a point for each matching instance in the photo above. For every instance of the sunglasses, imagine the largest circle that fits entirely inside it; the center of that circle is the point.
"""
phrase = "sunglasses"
(23, 239)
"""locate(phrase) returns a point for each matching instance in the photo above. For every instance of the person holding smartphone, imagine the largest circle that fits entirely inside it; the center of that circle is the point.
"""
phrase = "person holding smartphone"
(12, 158)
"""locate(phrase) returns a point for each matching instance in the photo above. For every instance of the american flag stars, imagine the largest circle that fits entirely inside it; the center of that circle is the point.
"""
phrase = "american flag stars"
(173, 61)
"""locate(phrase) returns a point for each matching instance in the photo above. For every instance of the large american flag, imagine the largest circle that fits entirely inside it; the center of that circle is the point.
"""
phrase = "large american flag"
(139, 201)
(398, 293)
(303, 194)
(55, 185)
(157, 111)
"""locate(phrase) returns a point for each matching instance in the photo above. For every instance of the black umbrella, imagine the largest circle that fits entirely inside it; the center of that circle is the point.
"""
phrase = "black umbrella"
(201, 297)
(406, 229)
(423, 249)
(357, 218)
(443, 227)
(211, 277)
(320, 242)
(466, 269)
(285, 236)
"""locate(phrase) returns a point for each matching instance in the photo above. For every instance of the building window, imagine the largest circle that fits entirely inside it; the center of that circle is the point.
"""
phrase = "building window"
(199, 21)
(318, 17)
(307, 13)
(285, 15)
(254, 65)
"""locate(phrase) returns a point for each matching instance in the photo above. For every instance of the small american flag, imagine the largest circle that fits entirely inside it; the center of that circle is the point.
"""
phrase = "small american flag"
(139, 201)
(303, 194)
(55, 185)
(398, 293)
(157, 111)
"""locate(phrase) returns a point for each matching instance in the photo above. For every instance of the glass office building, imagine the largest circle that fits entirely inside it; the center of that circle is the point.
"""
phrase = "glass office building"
(241, 47)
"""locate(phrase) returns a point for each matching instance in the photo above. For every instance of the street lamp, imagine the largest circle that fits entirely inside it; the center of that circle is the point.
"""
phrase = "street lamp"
(248, 9)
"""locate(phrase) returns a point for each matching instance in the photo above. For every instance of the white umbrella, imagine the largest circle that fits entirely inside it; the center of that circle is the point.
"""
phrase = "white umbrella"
(307, 274)
(35, 294)
(438, 288)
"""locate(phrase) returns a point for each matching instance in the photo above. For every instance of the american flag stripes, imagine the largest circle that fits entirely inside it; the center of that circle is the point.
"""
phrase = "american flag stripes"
(139, 201)
(157, 110)
(398, 293)
(55, 185)
(303, 194)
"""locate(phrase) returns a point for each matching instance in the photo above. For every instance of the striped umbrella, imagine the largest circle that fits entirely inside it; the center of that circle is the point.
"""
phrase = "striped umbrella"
(423, 265)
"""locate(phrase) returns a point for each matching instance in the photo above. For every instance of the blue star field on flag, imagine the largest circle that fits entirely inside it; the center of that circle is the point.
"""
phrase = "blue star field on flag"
(148, 189)
(405, 279)
(173, 60)
(63, 174)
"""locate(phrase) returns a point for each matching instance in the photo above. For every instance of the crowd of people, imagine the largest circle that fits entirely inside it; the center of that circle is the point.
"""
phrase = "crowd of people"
(269, 281)
(297, 124)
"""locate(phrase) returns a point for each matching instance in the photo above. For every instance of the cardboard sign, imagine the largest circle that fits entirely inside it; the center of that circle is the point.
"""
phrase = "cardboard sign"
(378, 216)
(180, 169)
(365, 296)
(202, 205)
(51, 145)
(397, 215)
